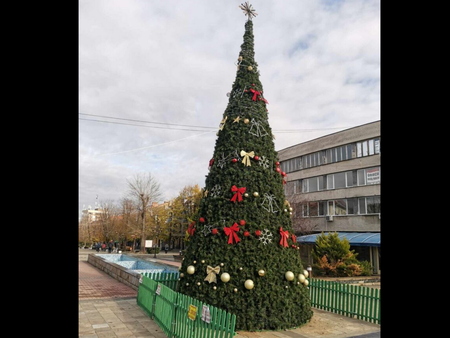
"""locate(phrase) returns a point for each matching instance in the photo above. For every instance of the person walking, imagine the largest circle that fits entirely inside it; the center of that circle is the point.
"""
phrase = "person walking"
(97, 246)
(110, 245)
(166, 248)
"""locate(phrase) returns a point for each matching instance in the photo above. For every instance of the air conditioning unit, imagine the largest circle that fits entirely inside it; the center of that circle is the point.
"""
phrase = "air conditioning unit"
(329, 218)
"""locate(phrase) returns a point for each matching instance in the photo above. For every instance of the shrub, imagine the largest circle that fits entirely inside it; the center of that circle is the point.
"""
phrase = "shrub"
(333, 257)
(367, 268)
(152, 250)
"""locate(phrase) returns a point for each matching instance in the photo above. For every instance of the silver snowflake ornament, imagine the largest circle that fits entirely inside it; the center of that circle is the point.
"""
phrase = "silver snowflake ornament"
(264, 162)
(266, 237)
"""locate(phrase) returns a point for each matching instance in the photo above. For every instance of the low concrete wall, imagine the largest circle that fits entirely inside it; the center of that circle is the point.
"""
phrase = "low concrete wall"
(116, 271)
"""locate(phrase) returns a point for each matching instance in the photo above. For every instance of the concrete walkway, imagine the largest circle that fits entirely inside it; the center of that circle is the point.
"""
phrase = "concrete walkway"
(108, 308)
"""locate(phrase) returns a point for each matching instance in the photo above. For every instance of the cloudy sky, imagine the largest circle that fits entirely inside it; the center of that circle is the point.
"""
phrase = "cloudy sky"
(153, 79)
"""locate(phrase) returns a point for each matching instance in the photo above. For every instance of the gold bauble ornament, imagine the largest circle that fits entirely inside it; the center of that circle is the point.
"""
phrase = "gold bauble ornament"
(225, 277)
(290, 209)
(246, 121)
(235, 290)
(198, 283)
(221, 264)
(187, 284)
(246, 195)
(306, 273)
(249, 284)
(256, 194)
(261, 273)
(203, 261)
(306, 282)
(289, 275)
(250, 68)
(301, 278)
(190, 269)
(240, 58)
(214, 287)
(195, 262)
(181, 274)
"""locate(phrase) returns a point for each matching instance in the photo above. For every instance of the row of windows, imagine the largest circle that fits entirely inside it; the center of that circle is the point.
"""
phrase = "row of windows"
(332, 155)
(339, 207)
(340, 180)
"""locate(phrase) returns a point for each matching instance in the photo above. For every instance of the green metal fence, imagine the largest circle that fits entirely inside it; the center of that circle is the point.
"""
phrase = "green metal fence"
(170, 310)
(358, 302)
(169, 279)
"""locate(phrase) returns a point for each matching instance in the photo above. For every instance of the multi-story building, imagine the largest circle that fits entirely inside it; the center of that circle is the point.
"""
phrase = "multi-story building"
(333, 185)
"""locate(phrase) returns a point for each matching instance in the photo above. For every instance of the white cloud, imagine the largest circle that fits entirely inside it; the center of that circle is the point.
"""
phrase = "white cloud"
(173, 62)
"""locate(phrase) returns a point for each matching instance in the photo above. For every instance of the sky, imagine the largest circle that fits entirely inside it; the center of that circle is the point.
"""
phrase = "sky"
(154, 78)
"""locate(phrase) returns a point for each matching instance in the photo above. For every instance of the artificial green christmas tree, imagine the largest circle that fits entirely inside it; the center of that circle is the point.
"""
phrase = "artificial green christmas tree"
(242, 254)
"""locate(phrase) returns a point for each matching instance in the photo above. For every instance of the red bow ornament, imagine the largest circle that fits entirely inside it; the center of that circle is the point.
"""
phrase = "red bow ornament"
(255, 93)
(191, 229)
(238, 193)
(294, 239)
(231, 232)
(284, 237)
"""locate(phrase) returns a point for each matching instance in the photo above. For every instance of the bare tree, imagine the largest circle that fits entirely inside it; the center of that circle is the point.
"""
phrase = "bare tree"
(144, 189)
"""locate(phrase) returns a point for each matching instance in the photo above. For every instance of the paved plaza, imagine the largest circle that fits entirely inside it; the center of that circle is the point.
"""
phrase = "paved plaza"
(108, 308)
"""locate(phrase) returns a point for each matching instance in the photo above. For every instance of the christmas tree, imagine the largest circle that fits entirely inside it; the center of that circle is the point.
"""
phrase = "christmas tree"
(242, 254)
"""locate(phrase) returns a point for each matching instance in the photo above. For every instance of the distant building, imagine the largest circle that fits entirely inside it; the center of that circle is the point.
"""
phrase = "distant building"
(334, 185)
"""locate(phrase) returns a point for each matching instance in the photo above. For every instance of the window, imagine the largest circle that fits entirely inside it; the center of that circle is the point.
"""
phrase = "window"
(329, 156)
(340, 207)
(321, 183)
(330, 182)
(361, 177)
(371, 147)
(322, 208)
(339, 180)
(313, 209)
(313, 184)
(323, 157)
(304, 185)
(333, 155)
(358, 149)
(362, 205)
(352, 206)
(305, 209)
(377, 145)
(365, 150)
(298, 163)
(344, 153)
(349, 177)
(338, 154)
(373, 205)
(330, 208)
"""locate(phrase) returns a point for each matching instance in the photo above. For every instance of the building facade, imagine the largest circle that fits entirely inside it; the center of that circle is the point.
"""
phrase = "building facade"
(333, 184)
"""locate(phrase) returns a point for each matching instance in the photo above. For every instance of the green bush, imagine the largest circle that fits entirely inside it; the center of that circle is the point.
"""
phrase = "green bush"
(152, 250)
(333, 257)
(367, 268)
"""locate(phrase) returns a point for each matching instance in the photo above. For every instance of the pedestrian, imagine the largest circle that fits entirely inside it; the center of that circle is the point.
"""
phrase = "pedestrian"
(103, 246)
(166, 248)
(97, 246)
(110, 245)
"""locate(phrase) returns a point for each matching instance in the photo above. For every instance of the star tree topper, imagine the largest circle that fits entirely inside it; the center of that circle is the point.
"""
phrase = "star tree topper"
(248, 10)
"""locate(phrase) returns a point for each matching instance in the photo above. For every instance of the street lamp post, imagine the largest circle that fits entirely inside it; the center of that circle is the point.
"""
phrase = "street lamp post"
(157, 235)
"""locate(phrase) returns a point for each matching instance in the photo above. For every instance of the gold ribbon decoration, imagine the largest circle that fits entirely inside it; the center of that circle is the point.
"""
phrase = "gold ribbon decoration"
(212, 273)
(222, 123)
(246, 155)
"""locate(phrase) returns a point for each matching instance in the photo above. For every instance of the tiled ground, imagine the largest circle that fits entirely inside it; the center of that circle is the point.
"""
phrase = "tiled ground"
(94, 283)
(115, 318)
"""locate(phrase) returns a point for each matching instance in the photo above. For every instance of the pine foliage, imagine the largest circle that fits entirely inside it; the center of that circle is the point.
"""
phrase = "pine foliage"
(265, 240)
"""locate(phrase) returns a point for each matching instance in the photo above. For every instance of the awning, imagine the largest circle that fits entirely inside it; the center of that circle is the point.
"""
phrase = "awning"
(354, 238)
